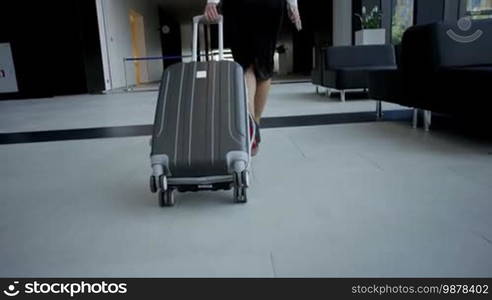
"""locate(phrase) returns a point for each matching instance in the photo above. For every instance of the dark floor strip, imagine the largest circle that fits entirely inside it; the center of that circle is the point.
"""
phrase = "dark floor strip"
(146, 130)
(333, 119)
(75, 134)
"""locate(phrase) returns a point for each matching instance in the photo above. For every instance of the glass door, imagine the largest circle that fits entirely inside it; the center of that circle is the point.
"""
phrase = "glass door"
(402, 18)
(479, 9)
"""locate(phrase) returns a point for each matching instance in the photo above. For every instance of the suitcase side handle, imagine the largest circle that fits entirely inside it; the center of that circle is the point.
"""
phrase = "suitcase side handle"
(199, 20)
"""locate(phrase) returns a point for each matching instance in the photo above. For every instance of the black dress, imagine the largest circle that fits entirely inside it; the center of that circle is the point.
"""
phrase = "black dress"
(252, 28)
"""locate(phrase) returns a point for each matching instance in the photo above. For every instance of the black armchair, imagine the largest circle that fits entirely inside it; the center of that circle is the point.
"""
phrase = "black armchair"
(440, 72)
(346, 68)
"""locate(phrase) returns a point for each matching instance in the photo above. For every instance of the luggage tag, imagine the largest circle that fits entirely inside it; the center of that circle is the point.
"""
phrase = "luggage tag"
(201, 74)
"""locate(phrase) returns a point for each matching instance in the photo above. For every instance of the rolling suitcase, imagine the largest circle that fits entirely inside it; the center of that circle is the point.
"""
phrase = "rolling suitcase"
(201, 131)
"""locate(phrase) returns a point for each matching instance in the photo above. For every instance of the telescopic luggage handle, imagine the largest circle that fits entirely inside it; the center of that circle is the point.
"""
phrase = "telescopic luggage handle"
(202, 19)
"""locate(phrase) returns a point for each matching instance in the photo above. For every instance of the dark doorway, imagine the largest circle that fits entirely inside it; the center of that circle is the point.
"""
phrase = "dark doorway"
(54, 53)
(317, 18)
(170, 38)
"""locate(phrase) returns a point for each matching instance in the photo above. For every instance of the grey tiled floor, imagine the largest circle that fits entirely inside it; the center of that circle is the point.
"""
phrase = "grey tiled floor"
(123, 109)
(377, 199)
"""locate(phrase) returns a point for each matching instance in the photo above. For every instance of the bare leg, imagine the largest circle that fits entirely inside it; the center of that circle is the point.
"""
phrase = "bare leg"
(262, 90)
(251, 86)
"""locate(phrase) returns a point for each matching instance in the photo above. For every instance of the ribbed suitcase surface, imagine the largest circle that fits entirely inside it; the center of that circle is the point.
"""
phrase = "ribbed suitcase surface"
(201, 116)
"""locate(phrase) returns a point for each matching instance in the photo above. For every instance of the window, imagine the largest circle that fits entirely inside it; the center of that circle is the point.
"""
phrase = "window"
(402, 19)
(479, 9)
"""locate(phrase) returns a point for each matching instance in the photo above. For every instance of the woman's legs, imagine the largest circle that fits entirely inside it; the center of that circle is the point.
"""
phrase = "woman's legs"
(261, 96)
(257, 92)
(251, 86)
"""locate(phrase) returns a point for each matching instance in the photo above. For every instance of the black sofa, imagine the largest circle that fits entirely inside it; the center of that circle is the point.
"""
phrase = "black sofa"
(346, 68)
(439, 73)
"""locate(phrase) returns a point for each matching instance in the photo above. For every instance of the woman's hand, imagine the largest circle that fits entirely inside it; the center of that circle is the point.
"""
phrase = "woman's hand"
(211, 13)
(295, 17)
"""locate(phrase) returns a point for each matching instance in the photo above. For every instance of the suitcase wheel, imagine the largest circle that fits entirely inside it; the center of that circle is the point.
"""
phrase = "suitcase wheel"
(166, 198)
(163, 183)
(153, 184)
(240, 195)
(241, 183)
(245, 179)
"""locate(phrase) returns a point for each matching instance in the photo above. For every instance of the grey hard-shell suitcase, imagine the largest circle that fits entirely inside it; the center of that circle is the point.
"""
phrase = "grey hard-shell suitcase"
(200, 138)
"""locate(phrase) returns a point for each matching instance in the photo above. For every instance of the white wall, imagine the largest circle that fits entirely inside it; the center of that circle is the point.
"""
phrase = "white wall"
(104, 46)
(186, 40)
(119, 39)
(286, 60)
(342, 22)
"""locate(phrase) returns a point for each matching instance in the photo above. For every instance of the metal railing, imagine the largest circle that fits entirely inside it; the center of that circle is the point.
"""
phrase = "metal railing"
(212, 55)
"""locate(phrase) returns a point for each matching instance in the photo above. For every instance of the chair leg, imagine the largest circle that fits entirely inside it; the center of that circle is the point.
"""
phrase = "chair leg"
(415, 121)
(427, 120)
(343, 95)
(317, 90)
(328, 92)
(379, 110)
